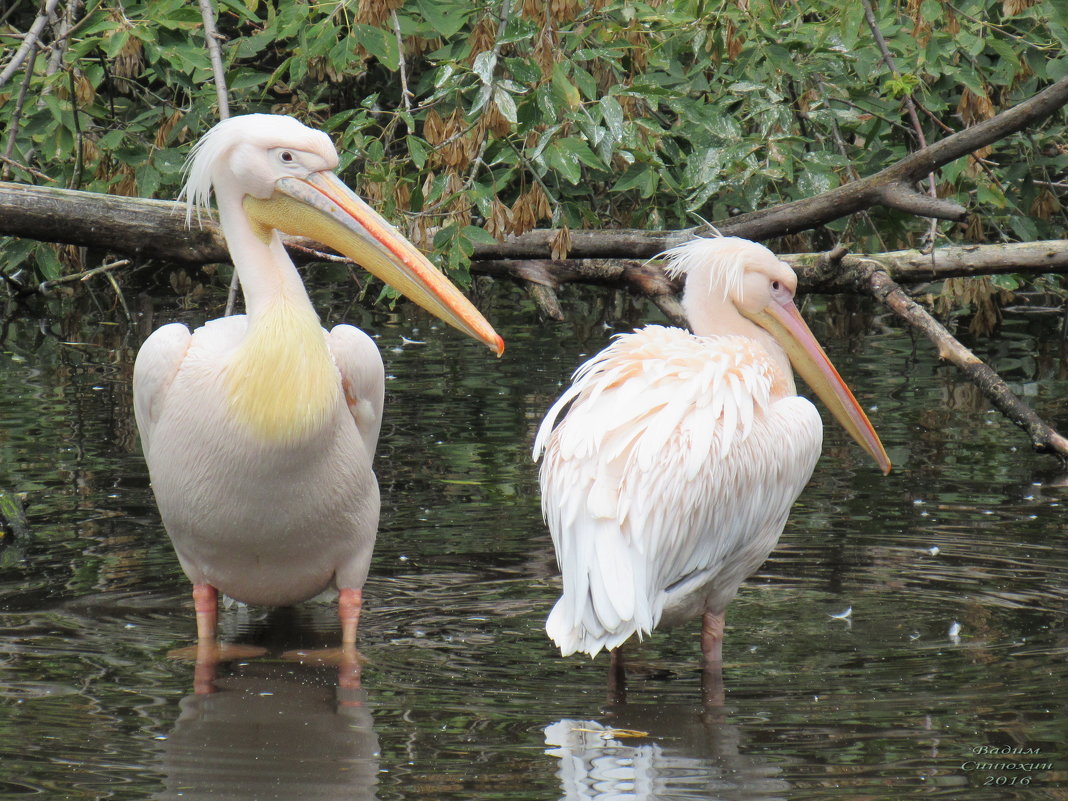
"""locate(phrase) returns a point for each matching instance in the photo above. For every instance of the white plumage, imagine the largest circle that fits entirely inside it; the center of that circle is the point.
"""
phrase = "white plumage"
(670, 465)
(260, 429)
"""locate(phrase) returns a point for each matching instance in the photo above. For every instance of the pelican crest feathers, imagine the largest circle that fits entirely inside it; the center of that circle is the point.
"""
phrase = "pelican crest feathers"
(722, 259)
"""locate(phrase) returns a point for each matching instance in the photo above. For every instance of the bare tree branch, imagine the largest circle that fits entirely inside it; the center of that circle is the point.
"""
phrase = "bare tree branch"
(81, 218)
(212, 39)
(406, 95)
(61, 35)
(16, 117)
(156, 229)
(29, 41)
(881, 286)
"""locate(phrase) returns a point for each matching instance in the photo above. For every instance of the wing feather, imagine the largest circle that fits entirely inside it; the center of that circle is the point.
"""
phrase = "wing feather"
(155, 367)
(362, 378)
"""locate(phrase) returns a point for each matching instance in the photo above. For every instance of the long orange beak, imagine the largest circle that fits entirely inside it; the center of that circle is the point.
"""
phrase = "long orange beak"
(323, 208)
(784, 322)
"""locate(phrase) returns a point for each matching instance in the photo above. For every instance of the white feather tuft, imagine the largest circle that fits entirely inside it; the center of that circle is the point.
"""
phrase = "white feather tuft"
(722, 258)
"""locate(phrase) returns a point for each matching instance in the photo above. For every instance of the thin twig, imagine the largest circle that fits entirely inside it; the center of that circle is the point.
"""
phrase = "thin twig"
(910, 105)
(122, 298)
(211, 39)
(16, 117)
(47, 286)
(35, 173)
(76, 175)
(406, 95)
(61, 37)
(29, 42)
(843, 150)
(10, 10)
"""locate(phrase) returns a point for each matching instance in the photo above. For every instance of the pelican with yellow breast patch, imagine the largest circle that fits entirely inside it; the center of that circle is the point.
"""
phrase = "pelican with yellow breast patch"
(259, 430)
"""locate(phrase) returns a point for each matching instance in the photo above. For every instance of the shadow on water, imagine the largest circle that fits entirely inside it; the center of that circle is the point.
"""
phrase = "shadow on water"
(462, 695)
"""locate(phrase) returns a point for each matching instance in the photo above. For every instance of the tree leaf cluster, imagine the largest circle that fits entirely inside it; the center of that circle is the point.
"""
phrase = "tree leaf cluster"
(467, 121)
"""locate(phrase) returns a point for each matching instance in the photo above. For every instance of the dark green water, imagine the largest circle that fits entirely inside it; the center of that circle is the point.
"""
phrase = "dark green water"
(463, 696)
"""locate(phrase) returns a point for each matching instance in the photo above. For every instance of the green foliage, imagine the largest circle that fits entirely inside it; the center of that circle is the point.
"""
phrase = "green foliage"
(566, 113)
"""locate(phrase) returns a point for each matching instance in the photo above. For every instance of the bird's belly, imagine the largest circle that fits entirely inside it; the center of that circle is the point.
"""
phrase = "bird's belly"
(268, 523)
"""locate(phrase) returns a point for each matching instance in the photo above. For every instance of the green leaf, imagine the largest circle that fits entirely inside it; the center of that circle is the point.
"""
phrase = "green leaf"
(245, 80)
(48, 264)
(564, 92)
(484, 65)
(446, 21)
(637, 176)
(581, 151)
(418, 150)
(505, 104)
(563, 161)
(380, 44)
(612, 114)
(478, 236)
(931, 10)
(1007, 281)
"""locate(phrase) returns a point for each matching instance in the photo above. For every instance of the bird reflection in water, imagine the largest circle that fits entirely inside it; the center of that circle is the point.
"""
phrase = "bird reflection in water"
(272, 730)
(658, 751)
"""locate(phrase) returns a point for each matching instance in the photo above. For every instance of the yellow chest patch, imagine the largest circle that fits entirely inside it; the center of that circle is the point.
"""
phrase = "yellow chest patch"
(282, 382)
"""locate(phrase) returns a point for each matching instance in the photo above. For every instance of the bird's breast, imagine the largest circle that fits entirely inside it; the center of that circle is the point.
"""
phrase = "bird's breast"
(281, 382)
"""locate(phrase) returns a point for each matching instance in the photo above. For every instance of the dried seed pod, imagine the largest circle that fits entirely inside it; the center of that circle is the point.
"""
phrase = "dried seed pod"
(493, 121)
(163, 133)
(639, 50)
(126, 186)
(375, 12)
(372, 193)
(1045, 205)
(974, 108)
(90, 150)
(542, 209)
(453, 149)
(433, 127)
(499, 221)
(70, 256)
(402, 196)
(482, 37)
(545, 52)
(129, 61)
(1010, 8)
(84, 91)
(734, 41)
(560, 244)
(522, 218)
(564, 12)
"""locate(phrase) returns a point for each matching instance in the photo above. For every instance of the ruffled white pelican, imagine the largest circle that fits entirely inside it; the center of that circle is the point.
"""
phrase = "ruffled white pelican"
(259, 429)
(671, 463)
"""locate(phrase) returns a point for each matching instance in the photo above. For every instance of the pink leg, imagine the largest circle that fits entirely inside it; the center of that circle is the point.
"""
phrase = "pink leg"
(349, 604)
(206, 603)
(712, 637)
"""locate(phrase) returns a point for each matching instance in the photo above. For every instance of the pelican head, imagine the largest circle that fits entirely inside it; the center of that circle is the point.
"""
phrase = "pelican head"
(728, 272)
(271, 173)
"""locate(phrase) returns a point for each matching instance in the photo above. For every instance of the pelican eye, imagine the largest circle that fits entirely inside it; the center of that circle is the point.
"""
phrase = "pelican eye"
(286, 157)
(775, 285)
